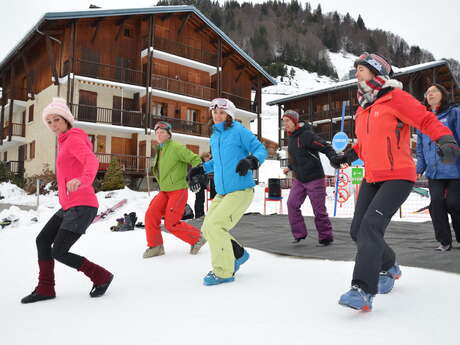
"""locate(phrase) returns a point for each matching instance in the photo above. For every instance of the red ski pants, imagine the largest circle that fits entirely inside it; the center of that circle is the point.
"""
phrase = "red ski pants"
(169, 205)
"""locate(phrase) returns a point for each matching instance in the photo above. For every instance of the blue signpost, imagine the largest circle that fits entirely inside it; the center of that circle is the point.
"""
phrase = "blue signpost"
(339, 143)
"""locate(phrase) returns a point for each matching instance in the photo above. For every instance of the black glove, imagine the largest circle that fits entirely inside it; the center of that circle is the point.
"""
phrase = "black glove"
(250, 162)
(197, 179)
(337, 160)
(347, 157)
(448, 149)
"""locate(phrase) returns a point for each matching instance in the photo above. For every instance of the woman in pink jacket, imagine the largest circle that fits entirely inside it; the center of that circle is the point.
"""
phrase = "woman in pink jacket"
(76, 167)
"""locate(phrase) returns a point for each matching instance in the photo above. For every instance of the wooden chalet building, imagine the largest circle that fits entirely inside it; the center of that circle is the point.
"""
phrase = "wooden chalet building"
(323, 107)
(121, 71)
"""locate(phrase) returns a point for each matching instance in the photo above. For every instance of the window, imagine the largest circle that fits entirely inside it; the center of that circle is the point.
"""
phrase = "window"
(31, 113)
(160, 109)
(192, 115)
(325, 107)
(127, 32)
(92, 139)
(32, 150)
(5, 156)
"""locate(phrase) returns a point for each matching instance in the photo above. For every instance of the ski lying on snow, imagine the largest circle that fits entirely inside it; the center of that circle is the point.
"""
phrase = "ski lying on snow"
(112, 209)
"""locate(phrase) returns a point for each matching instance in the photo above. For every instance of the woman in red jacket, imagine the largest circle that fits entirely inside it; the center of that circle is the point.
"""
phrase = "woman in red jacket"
(76, 168)
(383, 121)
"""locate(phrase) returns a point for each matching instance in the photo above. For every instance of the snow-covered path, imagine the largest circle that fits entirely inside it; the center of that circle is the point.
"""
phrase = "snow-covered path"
(274, 300)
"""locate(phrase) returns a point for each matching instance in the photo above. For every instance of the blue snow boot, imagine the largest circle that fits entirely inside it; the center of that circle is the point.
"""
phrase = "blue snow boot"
(241, 260)
(212, 279)
(387, 279)
(357, 299)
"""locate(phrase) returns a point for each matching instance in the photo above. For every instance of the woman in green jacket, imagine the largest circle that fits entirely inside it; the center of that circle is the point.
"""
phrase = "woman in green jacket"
(170, 169)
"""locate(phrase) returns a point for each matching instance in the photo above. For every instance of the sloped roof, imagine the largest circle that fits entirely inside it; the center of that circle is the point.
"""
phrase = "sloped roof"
(93, 13)
(345, 84)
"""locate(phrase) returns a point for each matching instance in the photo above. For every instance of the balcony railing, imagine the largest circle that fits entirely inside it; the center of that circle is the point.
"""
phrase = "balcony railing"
(107, 72)
(183, 126)
(284, 162)
(129, 163)
(240, 102)
(15, 167)
(19, 130)
(182, 87)
(89, 113)
(130, 118)
(183, 50)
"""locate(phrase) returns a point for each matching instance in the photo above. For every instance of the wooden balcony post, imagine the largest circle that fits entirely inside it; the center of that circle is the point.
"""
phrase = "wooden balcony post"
(51, 60)
(12, 94)
(219, 68)
(279, 126)
(3, 102)
(148, 77)
(73, 38)
(28, 76)
(259, 107)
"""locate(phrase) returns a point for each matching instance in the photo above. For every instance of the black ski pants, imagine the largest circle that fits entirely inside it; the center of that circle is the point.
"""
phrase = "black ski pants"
(376, 205)
(61, 232)
(445, 199)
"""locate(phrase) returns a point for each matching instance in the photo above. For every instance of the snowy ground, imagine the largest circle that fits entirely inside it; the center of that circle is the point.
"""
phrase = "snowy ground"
(274, 300)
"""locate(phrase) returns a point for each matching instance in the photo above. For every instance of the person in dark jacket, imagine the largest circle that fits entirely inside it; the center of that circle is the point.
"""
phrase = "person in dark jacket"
(200, 195)
(443, 179)
(382, 125)
(308, 178)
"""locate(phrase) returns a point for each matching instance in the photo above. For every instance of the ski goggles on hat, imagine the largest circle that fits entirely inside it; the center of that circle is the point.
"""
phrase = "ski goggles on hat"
(163, 125)
(219, 103)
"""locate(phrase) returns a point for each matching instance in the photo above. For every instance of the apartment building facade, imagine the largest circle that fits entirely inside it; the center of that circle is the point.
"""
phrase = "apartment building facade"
(121, 71)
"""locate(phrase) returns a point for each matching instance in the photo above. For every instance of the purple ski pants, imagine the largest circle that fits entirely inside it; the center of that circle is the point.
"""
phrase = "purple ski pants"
(316, 191)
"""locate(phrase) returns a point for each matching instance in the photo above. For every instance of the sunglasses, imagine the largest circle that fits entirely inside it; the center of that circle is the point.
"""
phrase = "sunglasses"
(220, 103)
(163, 125)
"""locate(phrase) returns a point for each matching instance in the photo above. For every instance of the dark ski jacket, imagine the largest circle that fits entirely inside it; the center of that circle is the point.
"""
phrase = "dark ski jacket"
(303, 149)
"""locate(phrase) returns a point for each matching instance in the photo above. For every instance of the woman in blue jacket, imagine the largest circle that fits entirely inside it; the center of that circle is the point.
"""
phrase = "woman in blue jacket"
(235, 151)
(443, 179)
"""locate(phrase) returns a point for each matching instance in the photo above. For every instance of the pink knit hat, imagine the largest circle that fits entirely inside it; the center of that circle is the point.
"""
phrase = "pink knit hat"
(58, 107)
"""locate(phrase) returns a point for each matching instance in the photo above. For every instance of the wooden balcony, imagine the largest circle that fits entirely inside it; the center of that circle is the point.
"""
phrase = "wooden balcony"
(183, 126)
(89, 113)
(106, 72)
(131, 164)
(131, 118)
(15, 167)
(183, 87)
(18, 130)
(240, 102)
(183, 50)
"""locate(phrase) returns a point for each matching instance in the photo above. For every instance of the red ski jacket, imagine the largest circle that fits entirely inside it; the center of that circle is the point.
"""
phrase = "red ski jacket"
(383, 133)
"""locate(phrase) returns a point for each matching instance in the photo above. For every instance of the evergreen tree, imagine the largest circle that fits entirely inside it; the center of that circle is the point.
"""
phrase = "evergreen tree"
(347, 19)
(113, 178)
(318, 15)
(360, 23)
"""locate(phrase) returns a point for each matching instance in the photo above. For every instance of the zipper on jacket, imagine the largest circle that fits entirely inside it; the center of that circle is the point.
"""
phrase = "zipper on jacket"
(368, 119)
(398, 133)
(221, 165)
(390, 153)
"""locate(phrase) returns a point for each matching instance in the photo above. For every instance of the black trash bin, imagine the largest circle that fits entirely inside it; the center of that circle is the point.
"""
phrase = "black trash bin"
(274, 187)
